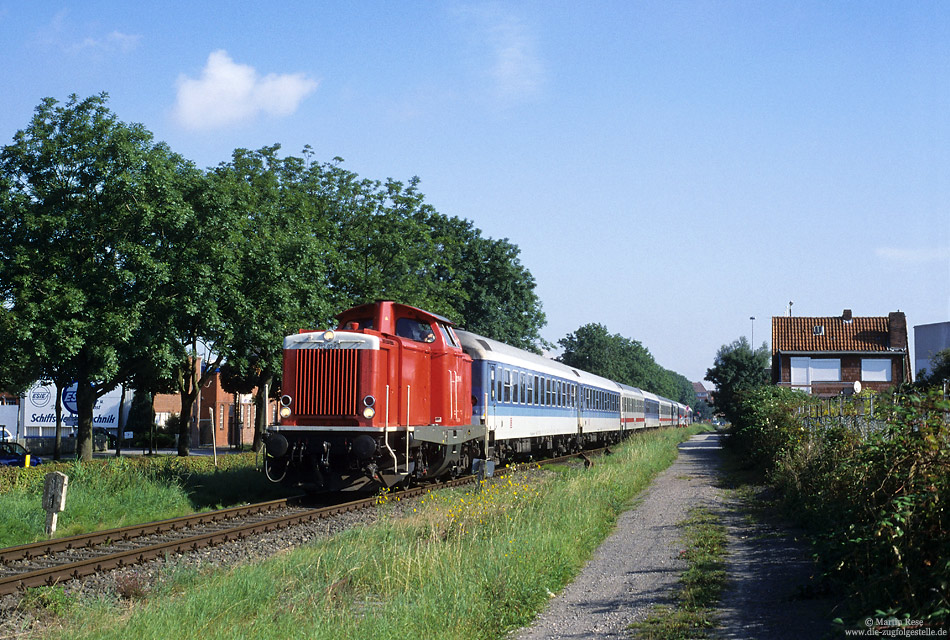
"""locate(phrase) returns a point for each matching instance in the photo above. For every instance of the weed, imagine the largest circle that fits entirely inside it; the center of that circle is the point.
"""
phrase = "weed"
(700, 585)
(47, 601)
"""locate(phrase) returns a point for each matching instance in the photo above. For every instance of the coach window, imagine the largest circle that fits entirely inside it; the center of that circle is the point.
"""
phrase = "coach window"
(515, 397)
(507, 387)
(532, 385)
(500, 374)
(491, 384)
(524, 390)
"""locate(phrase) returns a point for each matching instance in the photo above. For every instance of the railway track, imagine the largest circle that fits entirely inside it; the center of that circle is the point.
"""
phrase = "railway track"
(54, 561)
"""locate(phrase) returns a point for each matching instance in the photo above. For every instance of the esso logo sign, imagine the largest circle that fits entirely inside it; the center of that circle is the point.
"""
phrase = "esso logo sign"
(69, 400)
(40, 396)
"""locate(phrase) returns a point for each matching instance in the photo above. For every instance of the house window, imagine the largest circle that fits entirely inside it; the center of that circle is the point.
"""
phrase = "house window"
(825, 370)
(875, 370)
(805, 371)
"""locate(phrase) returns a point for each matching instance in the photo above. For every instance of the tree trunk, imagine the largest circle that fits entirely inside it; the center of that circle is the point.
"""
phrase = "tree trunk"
(85, 403)
(184, 426)
(58, 441)
(121, 427)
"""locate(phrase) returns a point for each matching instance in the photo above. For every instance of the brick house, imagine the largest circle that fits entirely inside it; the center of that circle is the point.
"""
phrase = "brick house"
(701, 392)
(826, 356)
(222, 404)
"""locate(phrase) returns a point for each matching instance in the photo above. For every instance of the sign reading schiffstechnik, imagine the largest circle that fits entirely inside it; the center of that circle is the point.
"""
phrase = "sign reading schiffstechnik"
(39, 408)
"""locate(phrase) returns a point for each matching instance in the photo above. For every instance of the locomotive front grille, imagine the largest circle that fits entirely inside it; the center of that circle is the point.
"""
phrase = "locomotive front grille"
(327, 382)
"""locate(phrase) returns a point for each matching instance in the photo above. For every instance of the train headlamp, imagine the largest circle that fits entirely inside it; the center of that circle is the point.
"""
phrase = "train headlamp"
(369, 412)
(369, 401)
(285, 400)
(285, 412)
(328, 336)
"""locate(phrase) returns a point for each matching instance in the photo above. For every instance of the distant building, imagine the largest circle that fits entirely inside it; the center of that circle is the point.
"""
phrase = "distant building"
(826, 356)
(701, 392)
(929, 340)
(214, 401)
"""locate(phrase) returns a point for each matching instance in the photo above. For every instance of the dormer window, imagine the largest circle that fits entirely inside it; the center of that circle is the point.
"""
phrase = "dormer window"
(819, 330)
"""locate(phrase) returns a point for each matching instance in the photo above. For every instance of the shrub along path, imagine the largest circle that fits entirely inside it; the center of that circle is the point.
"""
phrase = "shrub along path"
(638, 567)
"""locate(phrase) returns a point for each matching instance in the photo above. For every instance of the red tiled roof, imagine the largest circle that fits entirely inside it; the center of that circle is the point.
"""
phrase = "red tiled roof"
(798, 334)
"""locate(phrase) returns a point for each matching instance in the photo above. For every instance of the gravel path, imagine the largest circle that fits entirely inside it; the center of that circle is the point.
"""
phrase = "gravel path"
(638, 566)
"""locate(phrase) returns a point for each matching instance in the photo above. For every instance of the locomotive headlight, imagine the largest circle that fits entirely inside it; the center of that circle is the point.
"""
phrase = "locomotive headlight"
(369, 412)
(328, 336)
(285, 412)
(285, 400)
(369, 401)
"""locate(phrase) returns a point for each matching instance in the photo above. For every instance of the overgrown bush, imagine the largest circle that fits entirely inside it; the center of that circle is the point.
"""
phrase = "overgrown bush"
(879, 499)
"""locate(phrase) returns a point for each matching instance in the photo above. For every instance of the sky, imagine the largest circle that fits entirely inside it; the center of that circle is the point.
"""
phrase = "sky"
(669, 170)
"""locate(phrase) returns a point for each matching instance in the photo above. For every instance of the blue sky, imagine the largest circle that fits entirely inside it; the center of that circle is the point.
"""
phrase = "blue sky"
(668, 169)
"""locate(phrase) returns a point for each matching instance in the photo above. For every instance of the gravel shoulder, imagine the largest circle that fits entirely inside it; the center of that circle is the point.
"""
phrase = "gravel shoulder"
(638, 566)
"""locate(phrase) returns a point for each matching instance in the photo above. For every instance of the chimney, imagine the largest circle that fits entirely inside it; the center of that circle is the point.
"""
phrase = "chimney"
(896, 330)
(846, 315)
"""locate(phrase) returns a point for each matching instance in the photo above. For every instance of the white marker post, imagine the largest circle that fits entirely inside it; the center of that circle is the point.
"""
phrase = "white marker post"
(54, 498)
(214, 437)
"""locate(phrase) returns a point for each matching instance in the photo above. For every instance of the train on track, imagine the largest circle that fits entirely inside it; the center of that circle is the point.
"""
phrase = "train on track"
(396, 394)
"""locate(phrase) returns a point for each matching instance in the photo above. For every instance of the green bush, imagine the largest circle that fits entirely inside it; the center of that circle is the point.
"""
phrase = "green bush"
(879, 500)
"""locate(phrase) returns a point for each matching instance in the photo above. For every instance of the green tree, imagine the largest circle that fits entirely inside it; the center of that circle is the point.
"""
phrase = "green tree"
(737, 370)
(594, 349)
(281, 267)
(193, 322)
(82, 197)
(500, 301)
(939, 370)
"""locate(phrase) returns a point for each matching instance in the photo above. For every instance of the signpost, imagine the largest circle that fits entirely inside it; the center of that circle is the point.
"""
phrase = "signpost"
(54, 498)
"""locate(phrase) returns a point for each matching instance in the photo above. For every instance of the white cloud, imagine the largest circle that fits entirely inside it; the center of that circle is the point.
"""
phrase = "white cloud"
(918, 255)
(65, 34)
(228, 93)
(507, 52)
(516, 69)
(115, 41)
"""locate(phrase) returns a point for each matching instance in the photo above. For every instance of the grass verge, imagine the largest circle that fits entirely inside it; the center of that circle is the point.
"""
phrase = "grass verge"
(458, 564)
(110, 493)
(701, 585)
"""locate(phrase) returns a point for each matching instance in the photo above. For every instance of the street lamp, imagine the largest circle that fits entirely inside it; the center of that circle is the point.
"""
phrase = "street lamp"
(752, 318)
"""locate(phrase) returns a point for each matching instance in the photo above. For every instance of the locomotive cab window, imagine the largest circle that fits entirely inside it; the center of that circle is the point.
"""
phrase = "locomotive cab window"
(415, 330)
(447, 336)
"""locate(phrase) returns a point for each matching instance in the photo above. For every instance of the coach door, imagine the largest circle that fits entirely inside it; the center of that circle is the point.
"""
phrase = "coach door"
(494, 384)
